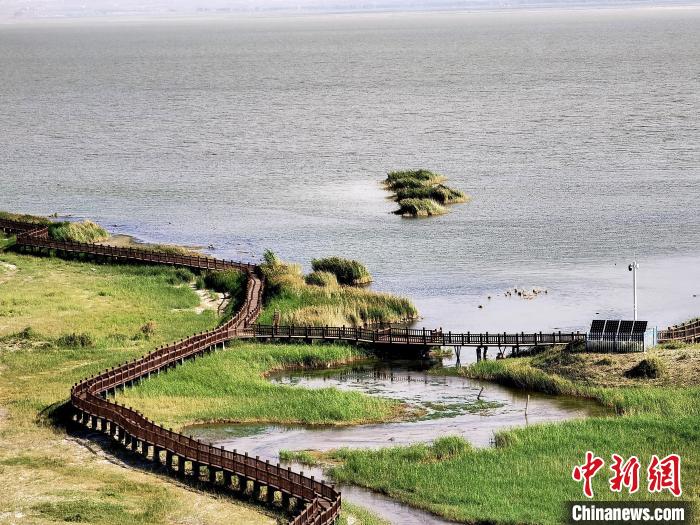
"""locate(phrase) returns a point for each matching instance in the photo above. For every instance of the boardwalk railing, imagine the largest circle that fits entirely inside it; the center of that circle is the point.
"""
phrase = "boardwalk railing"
(410, 336)
(315, 502)
(686, 333)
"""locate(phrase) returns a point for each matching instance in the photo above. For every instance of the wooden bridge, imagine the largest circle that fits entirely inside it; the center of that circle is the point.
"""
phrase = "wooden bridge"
(418, 340)
(311, 502)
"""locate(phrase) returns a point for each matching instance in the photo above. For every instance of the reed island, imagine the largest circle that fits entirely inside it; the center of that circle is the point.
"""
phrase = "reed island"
(421, 193)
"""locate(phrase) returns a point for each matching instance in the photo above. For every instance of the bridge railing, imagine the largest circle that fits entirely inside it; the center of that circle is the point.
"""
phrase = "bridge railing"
(412, 336)
(18, 226)
(30, 238)
(687, 333)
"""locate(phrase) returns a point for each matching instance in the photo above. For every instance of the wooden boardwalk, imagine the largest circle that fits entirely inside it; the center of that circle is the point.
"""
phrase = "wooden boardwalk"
(408, 337)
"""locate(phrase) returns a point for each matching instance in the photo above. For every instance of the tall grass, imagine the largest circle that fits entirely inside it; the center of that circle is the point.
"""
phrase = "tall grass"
(232, 283)
(324, 279)
(86, 231)
(346, 271)
(20, 217)
(420, 208)
(302, 304)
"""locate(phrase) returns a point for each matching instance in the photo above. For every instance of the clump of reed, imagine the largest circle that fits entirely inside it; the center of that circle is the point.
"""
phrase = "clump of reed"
(331, 304)
(439, 193)
(420, 193)
(346, 271)
(420, 208)
(76, 340)
(324, 279)
(412, 179)
(86, 231)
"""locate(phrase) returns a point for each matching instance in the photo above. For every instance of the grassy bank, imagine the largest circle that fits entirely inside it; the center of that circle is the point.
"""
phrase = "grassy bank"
(420, 193)
(85, 231)
(83, 318)
(231, 386)
(526, 478)
(326, 303)
(90, 232)
(61, 321)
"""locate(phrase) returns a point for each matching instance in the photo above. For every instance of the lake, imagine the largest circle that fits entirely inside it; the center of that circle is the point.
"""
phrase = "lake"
(575, 132)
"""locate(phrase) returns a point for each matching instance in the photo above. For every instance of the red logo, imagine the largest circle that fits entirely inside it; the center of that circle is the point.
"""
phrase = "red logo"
(662, 474)
(665, 474)
(586, 472)
(624, 474)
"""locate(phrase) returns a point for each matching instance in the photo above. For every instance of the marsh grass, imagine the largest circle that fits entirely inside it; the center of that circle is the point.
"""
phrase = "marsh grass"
(346, 271)
(66, 481)
(302, 304)
(420, 208)
(86, 231)
(530, 468)
(439, 193)
(21, 217)
(231, 386)
(324, 279)
(420, 193)
(304, 457)
(352, 514)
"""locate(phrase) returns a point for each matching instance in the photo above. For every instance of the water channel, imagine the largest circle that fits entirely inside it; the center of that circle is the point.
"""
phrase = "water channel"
(451, 405)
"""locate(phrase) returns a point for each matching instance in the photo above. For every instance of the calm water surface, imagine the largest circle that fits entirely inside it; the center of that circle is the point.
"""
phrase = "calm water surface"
(576, 133)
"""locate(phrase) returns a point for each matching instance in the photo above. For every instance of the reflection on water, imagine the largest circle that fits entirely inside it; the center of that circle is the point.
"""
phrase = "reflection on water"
(451, 405)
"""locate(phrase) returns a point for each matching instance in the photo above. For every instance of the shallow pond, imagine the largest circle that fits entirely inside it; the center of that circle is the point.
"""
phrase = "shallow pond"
(449, 404)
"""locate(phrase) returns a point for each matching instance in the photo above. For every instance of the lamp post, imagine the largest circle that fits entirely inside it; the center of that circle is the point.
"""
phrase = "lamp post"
(633, 268)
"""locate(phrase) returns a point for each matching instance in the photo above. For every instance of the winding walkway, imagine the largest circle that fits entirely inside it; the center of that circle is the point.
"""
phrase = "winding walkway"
(311, 502)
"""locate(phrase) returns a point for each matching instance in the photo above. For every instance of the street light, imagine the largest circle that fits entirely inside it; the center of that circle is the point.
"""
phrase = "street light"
(633, 268)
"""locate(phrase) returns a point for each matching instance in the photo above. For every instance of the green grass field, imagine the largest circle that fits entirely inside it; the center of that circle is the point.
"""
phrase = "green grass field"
(526, 478)
(61, 321)
(230, 386)
(48, 476)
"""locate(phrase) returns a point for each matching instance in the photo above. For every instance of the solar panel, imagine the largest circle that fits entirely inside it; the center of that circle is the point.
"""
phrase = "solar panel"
(625, 328)
(597, 325)
(639, 327)
(611, 327)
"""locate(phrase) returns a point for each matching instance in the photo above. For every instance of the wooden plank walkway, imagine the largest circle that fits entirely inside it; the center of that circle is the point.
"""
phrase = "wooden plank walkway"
(409, 336)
